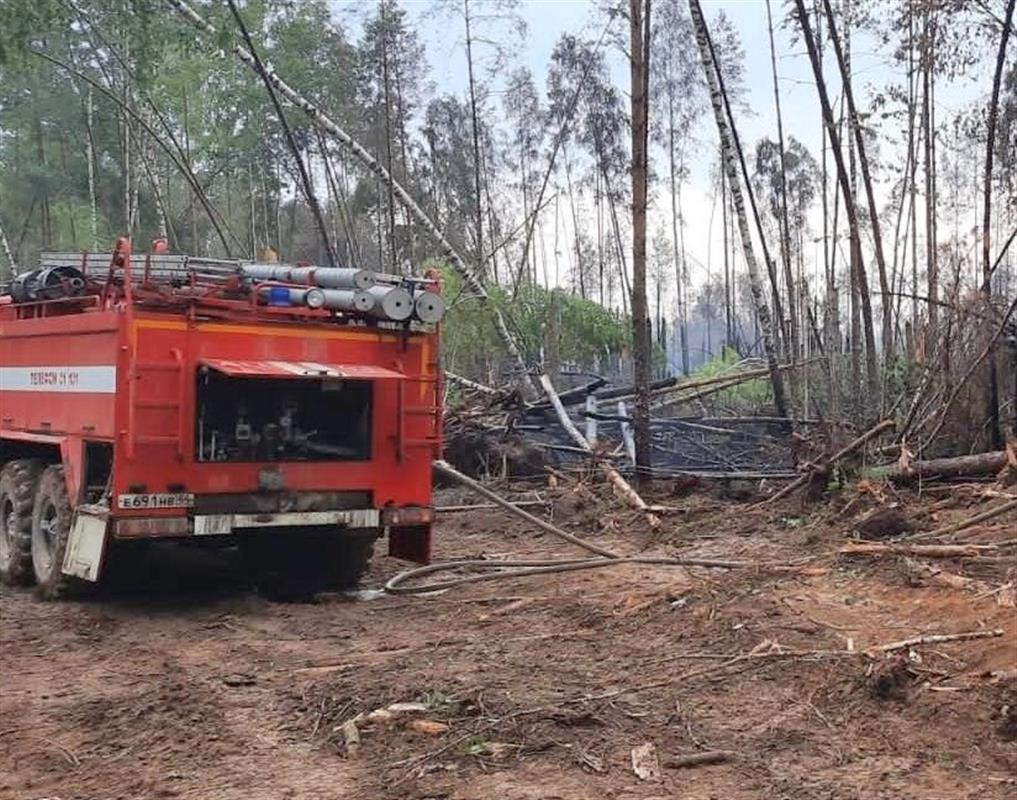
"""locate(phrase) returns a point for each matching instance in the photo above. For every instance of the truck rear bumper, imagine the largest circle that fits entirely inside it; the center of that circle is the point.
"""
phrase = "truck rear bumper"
(223, 524)
(91, 529)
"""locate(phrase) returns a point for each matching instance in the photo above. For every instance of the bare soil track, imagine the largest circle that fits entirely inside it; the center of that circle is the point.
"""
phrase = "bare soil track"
(179, 682)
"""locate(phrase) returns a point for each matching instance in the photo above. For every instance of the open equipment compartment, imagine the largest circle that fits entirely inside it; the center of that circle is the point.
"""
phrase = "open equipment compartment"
(249, 417)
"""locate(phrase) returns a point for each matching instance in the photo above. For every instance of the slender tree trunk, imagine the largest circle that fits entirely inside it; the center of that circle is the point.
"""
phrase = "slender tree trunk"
(785, 228)
(44, 210)
(992, 399)
(393, 255)
(93, 218)
(731, 165)
(932, 272)
(476, 139)
(726, 239)
(411, 236)
(623, 267)
(575, 227)
(10, 268)
(493, 228)
(863, 162)
(675, 222)
(771, 267)
(639, 70)
(598, 202)
(683, 309)
(849, 206)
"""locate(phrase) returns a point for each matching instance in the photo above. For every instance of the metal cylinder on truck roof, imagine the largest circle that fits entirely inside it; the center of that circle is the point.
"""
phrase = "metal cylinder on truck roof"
(428, 306)
(266, 272)
(355, 300)
(288, 296)
(391, 303)
(342, 278)
(323, 277)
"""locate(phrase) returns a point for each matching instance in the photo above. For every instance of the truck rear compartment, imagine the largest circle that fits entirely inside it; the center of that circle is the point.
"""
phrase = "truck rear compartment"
(297, 435)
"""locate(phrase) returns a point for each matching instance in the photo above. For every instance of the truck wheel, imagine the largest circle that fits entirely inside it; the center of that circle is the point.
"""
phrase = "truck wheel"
(287, 566)
(18, 482)
(51, 524)
(349, 556)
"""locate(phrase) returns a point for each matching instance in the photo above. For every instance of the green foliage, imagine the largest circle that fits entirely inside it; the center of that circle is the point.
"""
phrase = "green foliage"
(585, 334)
(751, 394)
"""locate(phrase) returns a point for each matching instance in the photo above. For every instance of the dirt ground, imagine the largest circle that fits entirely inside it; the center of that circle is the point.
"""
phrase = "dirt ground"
(178, 681)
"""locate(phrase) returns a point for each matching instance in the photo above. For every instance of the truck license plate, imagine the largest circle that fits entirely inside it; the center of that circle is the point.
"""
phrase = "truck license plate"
(181, 500)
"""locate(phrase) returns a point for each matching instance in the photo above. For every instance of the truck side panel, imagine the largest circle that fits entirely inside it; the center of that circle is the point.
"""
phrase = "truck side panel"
(59, 375)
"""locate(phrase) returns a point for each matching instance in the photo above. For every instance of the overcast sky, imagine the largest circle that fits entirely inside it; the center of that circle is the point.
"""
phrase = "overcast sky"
(546, 20)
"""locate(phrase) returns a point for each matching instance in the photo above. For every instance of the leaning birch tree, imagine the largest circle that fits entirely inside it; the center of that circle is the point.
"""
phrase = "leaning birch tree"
(730, 160)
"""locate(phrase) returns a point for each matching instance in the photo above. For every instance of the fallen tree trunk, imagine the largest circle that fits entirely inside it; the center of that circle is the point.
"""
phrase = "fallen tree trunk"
(960, 466)
(471, 385)
(624, 489)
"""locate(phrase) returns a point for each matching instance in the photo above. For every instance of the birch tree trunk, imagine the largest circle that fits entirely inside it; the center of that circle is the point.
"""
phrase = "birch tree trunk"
(319, 118)
(992, 399)
(849, 206)
(639, 72)
(93, 218)
(11, 267)
(675, 222)
(731, 167)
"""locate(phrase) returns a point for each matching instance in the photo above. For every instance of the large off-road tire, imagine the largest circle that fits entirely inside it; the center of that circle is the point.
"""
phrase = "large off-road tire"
(51, 525)
(18, 482)
(296, 564)
(349, 556)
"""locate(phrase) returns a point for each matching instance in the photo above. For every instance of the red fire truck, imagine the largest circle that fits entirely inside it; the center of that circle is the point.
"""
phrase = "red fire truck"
(292, 411)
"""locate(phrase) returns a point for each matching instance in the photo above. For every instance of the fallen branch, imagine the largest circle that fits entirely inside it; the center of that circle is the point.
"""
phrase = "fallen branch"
(623, 487)
(699, 759)
(956, 527)
(936, 638)
(448, 470)
(825, 465)
(950, 580)
(923, 550)
(484, 506)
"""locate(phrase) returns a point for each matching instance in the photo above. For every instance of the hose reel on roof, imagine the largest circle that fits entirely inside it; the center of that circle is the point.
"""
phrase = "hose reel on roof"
(48, 283)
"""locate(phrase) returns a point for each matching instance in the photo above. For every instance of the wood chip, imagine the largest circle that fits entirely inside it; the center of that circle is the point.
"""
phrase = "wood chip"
(645, 763)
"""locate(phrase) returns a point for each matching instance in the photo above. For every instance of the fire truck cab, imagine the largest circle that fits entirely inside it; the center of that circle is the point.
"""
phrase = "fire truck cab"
(160, 396)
